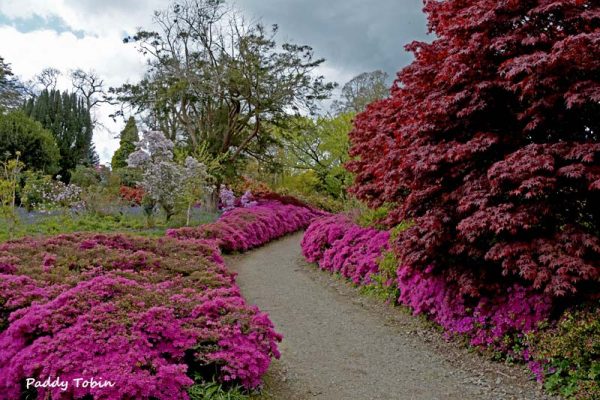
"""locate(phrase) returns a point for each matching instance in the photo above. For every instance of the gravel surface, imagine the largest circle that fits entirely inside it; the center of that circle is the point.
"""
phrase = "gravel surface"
(339, 344)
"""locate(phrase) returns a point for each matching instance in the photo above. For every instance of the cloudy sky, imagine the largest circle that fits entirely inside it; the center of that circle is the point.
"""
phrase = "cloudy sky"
(353, 36)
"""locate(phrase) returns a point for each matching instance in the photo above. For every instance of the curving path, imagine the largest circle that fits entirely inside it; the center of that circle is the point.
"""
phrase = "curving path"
(341, 345)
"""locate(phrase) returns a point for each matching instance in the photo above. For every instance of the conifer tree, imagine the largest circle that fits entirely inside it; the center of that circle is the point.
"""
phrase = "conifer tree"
(129, 136)
(67, 117)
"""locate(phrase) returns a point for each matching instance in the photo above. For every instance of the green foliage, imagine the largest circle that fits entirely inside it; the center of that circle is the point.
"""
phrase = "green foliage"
(67, 117)
(128, 176)
(10, 88)
(373, 217)
(362, 90)
(129, 136)
(216, 391)
(383, 284)
(303, 182)
(35, 186)
(85, 177)
(224, 97)
(38, 148)
(313, 154)
(315, 199)
(401, 227)
(9, 184)
(87, 222)
(573, 353)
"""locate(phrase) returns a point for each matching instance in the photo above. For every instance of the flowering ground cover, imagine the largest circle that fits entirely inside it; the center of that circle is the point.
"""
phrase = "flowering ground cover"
(338, 245)
(150, 315)
(243, 228)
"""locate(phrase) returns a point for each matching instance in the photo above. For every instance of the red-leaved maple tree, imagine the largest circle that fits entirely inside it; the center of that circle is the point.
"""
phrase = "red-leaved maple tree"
(490, 143)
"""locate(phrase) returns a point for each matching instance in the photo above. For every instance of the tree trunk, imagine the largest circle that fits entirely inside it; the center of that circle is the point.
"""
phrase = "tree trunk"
(211, 201)
(189, 213)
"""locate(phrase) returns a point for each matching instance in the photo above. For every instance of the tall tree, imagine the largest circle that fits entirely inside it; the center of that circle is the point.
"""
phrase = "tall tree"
(318, 145)
(67, 117)
(490, 143)
(215, 81)
(11, 90)
(48, 78)
(128, 138)
(361, 91)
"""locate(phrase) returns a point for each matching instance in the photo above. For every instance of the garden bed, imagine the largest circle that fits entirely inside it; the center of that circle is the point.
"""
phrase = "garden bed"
(152, 316)
(243, 228)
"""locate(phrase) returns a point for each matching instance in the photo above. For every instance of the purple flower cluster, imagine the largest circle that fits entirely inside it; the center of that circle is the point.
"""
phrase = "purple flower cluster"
(141, 313)
(227, 199)
(247, 199)
(243, 228)
(339, 245)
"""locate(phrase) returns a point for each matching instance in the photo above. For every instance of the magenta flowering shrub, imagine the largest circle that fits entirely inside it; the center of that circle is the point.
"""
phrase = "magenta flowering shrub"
(338, 245)
(494, 318)
(141, 313)
(488, 320)
(241, 229)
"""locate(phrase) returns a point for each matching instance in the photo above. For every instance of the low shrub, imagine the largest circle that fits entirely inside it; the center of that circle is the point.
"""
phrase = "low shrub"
(569, 354)
(132, 195)
(148, 315)
(338, 245)
(243, 228)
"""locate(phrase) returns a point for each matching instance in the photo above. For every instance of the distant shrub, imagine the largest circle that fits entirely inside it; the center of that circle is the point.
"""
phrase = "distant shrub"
(133, 195)
(244, 228)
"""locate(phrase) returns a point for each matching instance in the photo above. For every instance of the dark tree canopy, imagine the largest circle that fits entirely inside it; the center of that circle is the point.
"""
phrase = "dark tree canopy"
(38, 148)
(490, 143)
(129, 136)
(67, 117)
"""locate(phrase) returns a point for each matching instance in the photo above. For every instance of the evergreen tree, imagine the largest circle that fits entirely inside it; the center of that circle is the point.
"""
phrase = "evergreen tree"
(19, 133)
(129, 136)
(11, 89)
(67, 117)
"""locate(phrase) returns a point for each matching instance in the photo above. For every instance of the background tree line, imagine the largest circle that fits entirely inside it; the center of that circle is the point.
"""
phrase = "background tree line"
(225, 91)
(37, 120)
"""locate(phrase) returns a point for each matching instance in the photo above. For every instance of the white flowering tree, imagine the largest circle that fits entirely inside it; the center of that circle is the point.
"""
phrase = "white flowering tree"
(165, 181)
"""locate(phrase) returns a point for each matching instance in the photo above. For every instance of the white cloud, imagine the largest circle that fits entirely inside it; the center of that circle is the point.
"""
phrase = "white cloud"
(116, 62)
(90, 16)
(354, 36)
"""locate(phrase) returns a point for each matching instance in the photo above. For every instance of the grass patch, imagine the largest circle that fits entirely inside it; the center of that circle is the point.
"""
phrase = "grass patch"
(45, 225)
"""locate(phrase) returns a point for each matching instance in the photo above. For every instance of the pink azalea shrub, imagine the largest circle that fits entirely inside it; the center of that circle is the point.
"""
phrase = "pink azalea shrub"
(243, 228)
(142, 313)
(504, 310)
(487, 320)
(338, 245)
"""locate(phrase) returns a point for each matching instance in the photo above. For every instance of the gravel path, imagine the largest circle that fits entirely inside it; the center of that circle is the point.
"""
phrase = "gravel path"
(339, 344)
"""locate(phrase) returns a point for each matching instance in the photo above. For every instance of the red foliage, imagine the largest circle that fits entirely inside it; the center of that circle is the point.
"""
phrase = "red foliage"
(490, 142)
(132, 195)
